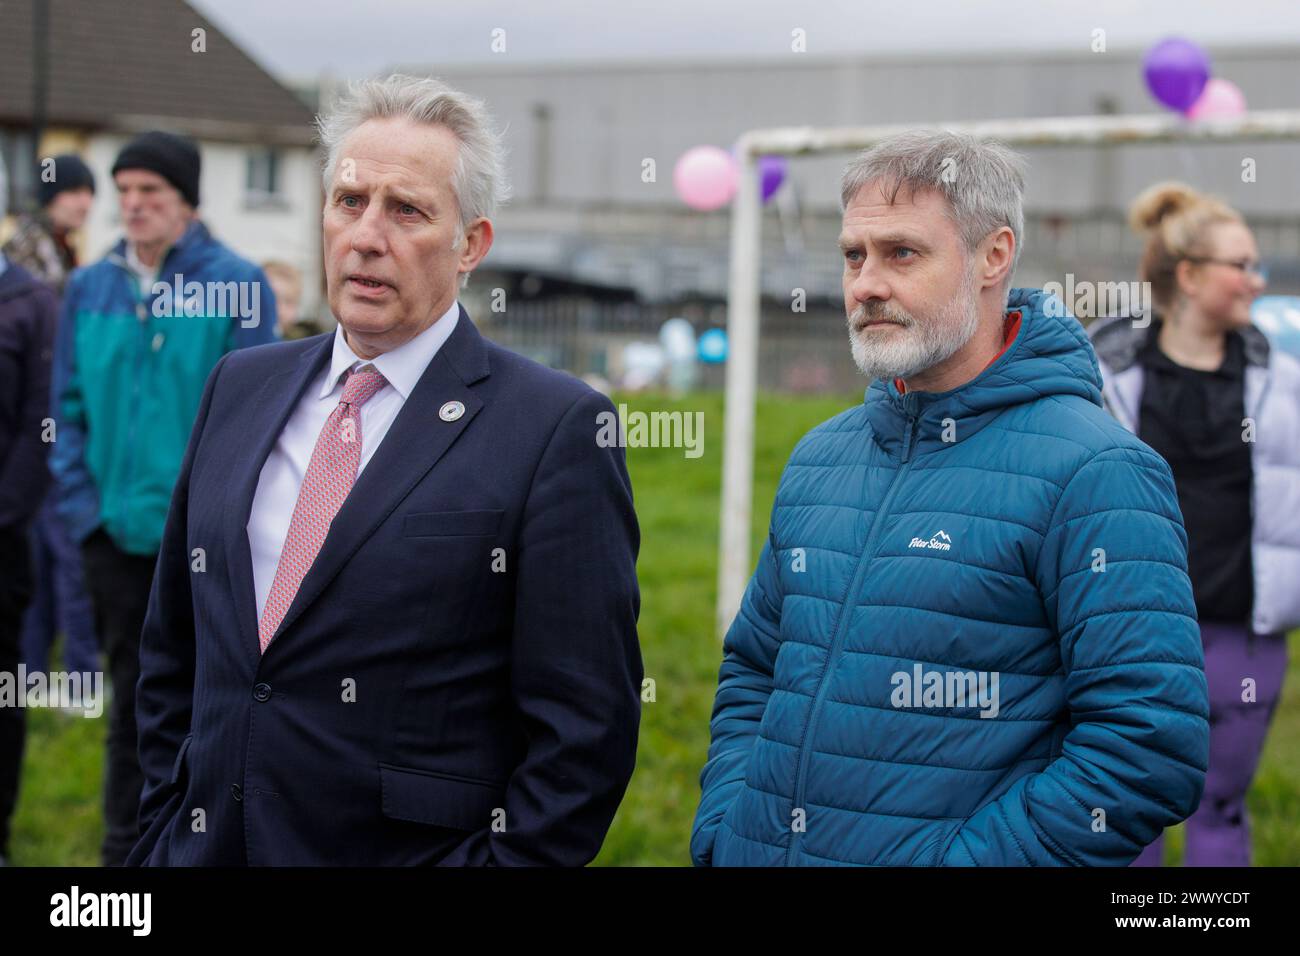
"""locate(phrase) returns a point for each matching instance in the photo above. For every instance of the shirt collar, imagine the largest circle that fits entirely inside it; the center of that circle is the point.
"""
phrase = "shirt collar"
(403, 366)
(146, 274)
(149, 274)
(1234, 355)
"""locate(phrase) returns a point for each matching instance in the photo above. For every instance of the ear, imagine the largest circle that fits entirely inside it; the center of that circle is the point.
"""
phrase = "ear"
(1185, 277)
(477, 242)
(995, 257)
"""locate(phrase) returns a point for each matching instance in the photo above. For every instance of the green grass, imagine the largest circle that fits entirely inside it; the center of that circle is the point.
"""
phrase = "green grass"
(677, 501)
(677, 504)
(59, 821)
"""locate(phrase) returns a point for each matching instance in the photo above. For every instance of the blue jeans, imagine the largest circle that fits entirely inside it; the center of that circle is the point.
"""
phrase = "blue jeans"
(60, 601)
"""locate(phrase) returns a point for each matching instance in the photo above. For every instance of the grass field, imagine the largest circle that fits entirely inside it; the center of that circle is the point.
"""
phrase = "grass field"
(58, 820)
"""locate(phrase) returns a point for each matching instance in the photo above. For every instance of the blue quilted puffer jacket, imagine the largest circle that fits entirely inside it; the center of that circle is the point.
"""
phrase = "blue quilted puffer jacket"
(970, 638)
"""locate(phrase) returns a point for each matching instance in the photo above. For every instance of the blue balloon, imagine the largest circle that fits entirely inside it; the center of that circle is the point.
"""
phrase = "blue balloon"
(713, 346)
(1278, 317)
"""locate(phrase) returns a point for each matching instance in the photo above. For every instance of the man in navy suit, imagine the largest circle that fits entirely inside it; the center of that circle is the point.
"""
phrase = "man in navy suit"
(394, 615)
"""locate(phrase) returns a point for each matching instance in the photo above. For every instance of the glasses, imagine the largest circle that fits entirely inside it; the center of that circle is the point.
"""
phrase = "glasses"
(1247, 266)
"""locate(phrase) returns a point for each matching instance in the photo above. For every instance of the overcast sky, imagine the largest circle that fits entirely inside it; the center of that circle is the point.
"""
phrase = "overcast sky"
(300, 39)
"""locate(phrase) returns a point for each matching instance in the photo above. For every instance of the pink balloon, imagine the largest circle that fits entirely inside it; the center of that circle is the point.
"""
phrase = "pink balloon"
(705, 177)
(1220, 99)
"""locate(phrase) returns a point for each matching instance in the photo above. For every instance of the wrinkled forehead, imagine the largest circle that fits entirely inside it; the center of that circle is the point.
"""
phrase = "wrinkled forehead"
(398, 155)
(883, 202)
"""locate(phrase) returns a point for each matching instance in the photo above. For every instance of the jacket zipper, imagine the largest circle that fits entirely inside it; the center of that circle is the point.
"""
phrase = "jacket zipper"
(837, 641)
(129, 469)
(144, 353)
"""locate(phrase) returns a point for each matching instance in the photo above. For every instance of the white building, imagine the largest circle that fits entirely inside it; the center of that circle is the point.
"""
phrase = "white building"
(115, 68)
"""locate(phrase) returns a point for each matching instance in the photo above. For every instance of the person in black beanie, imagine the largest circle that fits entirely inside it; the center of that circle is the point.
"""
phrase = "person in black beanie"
(65, 190)
(174, 158)
(124, 397)
(43, 247)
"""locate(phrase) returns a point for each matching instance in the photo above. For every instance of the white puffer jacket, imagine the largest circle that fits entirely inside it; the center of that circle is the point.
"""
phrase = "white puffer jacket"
(1272, 403)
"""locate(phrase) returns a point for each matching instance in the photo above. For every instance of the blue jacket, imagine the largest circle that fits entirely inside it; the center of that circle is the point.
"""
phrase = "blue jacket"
(1006, 542)
(129, 368)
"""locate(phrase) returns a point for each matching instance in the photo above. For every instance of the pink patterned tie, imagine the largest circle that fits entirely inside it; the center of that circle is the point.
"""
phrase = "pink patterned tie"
(326, 483)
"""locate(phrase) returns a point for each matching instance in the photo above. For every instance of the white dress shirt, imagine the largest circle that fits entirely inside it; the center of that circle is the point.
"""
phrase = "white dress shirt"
(282, 474)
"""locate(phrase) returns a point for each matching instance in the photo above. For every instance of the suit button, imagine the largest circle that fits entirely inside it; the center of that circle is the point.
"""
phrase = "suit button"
(262, 693)
(237, 791)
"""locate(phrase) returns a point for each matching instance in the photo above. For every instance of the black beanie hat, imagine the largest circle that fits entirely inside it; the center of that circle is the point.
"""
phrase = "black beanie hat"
(69, 173)
(174, 158)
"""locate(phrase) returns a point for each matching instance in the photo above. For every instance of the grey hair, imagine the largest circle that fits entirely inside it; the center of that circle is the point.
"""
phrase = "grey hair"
(983, 180)
(478, 181)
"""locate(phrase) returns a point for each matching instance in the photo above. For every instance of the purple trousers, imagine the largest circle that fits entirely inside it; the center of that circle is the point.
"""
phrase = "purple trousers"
(1218, 832)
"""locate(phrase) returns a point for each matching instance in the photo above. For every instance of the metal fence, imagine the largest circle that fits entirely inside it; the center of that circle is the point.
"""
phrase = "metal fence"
(800, 352)
(809, 351)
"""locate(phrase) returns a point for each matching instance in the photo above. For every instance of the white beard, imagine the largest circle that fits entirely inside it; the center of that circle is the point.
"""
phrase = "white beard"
(915, 345)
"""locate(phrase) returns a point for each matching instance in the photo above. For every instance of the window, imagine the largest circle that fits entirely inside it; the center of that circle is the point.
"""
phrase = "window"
(16, 161)
(262, 178)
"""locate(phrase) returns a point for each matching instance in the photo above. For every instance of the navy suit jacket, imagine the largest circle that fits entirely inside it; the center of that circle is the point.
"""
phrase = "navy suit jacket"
(458, 678)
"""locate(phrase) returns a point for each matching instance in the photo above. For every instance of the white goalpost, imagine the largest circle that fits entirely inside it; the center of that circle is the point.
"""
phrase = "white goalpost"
(734, 560)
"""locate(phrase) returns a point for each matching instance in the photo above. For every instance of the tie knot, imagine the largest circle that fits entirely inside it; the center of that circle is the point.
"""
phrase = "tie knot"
(361, 385)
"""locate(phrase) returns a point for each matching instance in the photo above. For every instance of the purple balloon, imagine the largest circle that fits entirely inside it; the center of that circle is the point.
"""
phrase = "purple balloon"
(1176, 72)
(771, 173)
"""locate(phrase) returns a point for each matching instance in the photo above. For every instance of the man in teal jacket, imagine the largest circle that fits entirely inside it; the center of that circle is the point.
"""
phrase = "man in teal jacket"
(140, 331)
(971, 638)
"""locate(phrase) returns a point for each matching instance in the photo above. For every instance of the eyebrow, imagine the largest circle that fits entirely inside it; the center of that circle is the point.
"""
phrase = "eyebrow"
(410, 199)
(394, 195)
(891, 239)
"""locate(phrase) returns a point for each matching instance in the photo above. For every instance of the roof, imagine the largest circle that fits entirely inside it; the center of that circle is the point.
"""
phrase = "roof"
(128, 65)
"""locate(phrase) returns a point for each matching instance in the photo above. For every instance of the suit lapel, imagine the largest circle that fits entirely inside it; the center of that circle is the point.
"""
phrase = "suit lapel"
(271, 407)
(417, 438)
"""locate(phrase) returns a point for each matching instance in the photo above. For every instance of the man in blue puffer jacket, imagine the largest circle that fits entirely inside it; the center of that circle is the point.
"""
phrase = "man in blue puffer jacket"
(970, 638)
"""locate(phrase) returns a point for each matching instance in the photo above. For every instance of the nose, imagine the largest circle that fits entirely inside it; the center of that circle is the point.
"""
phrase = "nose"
(869, 284)
(368, 233)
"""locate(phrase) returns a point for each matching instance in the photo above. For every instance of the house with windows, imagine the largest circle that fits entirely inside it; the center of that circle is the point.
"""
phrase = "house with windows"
(86, 77)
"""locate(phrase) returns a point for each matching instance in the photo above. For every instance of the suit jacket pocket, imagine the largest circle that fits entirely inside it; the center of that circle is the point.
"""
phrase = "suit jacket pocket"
(179, 766)
(439, 799)
(147, 847)
(451, 523)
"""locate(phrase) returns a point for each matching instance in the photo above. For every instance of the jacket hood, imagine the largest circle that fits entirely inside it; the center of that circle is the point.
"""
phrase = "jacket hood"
(1118, 340)
(1051, 355)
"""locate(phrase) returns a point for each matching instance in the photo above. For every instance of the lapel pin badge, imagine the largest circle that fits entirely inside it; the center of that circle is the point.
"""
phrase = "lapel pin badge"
(451, 411)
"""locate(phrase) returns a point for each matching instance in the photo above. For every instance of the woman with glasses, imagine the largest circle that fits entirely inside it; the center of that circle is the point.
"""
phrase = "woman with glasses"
(1201, 385)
